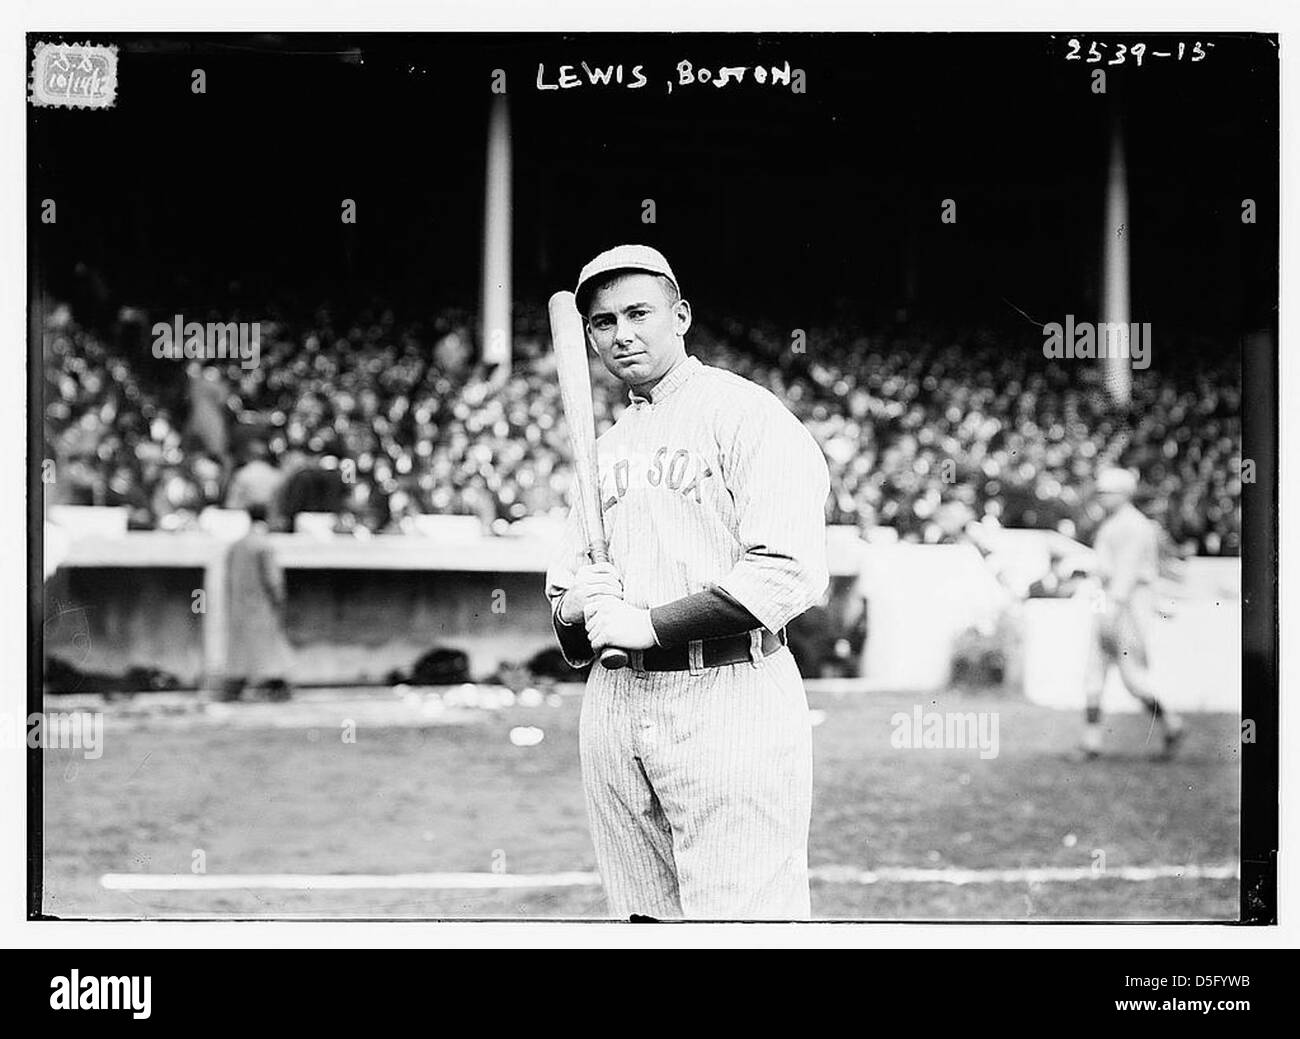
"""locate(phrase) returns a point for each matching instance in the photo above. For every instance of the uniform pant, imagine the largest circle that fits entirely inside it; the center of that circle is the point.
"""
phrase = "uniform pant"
(699, 789)
(1122, 640)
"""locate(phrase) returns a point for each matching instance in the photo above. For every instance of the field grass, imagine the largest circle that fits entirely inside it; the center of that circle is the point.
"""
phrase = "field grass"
(263, 789)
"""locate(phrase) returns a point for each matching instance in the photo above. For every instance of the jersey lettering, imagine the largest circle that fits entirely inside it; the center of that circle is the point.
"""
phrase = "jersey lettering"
(676, 470)
(656, 471)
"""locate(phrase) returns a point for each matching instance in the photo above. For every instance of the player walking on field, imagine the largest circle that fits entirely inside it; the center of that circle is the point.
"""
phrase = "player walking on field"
(696, 757)
(1128, 557)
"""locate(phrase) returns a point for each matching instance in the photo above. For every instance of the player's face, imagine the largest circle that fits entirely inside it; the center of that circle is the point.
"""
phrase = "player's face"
(637, 332)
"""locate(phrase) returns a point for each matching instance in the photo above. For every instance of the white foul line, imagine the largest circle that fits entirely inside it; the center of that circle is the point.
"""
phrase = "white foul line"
(504, 881)
(1039, 875)
(343, 881)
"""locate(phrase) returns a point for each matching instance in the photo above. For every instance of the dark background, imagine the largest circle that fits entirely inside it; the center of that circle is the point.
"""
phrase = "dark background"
(794, 208)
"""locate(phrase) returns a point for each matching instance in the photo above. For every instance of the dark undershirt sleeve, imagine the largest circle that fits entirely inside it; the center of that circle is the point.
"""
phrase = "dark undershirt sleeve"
(574, 644)
(709, 614)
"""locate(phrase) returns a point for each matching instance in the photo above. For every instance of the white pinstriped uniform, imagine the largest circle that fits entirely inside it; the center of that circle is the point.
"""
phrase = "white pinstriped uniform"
(699, 783)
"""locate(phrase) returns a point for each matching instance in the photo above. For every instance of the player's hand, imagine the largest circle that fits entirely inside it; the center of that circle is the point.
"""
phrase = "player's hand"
(590, 583)
(612, 622)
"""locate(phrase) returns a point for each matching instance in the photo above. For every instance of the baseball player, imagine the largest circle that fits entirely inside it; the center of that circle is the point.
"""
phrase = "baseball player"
(696, 757)
(1127, 547)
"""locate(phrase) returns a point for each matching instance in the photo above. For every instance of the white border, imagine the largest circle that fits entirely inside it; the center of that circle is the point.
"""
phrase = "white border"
(549, 15)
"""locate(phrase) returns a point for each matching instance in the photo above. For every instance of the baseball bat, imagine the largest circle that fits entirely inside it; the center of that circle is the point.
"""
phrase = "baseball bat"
(570, 344)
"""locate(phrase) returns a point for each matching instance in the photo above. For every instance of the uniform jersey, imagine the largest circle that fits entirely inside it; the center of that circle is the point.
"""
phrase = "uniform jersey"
(712, 481)
(699, 782)
(1128, 553)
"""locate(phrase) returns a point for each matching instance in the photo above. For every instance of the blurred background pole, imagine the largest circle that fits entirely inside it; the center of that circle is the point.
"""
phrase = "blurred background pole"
(497, 325)
(1115, 266)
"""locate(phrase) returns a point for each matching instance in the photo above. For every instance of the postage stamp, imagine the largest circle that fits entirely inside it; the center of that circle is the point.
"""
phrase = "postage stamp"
(74, 75)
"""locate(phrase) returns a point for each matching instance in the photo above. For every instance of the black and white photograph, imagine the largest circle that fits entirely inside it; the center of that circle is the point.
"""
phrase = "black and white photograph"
(755, 476)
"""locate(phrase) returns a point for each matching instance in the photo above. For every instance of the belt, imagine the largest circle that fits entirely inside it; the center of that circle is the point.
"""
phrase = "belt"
(719, 652)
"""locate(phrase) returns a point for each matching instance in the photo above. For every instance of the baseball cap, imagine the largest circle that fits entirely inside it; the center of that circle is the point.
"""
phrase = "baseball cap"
(1116, 481)
(622, 258)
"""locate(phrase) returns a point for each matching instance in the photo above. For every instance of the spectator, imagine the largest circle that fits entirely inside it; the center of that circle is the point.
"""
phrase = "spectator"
(919, 431)
(256, 482)
(259, 656)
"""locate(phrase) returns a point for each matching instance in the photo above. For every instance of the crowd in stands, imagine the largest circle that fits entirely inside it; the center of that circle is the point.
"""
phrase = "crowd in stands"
(382, 419)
